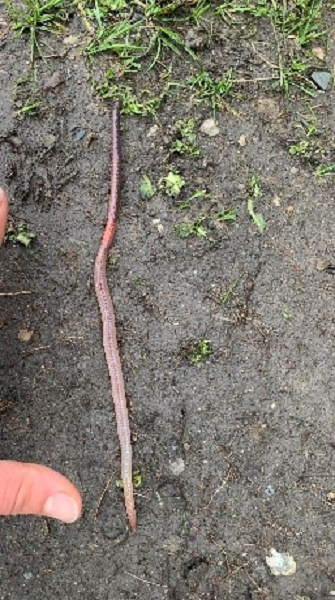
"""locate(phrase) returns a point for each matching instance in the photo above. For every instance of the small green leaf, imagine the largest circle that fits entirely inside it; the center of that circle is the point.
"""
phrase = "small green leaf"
(137, 480)
(324, 170)
(198, 351)
(186, 204)
(25, 238)
(28, 108)
(305, 148)
(147, 190)
(227, 215)
(201, 231)
(194, 228)
(174, 183)
(19, 234)
(257, 218)
(184, 230)
(255, 187)
(112, 261)
(259, 221)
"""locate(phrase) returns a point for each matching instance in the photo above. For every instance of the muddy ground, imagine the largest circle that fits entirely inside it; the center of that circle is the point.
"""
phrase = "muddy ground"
(236, 454)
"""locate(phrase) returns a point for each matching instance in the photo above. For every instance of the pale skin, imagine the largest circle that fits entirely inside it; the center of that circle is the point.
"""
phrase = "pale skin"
(30, 489)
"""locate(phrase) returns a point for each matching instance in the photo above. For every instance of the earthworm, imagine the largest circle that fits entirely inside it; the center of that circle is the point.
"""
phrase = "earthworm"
(108, 322)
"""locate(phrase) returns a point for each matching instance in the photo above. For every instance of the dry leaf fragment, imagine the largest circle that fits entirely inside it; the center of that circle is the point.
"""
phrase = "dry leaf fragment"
(319, 52)
(72, 40)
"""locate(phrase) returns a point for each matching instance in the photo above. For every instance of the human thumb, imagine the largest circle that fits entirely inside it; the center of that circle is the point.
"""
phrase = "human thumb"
(29, 489)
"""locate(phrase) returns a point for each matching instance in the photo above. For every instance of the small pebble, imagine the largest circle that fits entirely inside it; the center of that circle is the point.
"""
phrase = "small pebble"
(79, 135)
(25, 335)
(157, 223)
(321, 79)
(331, 497)
(153, 131)
(269, 490)
(177, 466)
(242, 141)
(210, 127)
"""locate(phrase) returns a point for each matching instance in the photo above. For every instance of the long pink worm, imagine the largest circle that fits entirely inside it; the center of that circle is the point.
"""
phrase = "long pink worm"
(108, 322)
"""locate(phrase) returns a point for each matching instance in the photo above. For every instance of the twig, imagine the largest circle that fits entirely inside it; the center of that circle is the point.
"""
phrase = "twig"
(236, 570)
(223, 300)
(14, 293)
(255, 79)
(266, 60)
(258, 589)
(37, 349)
(217, 491)
(280, 58)
(164, 587)
(104, 492)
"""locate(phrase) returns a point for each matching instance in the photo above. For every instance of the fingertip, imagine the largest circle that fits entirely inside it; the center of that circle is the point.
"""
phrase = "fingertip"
(3, 213)
(62, 507)
(33, 489)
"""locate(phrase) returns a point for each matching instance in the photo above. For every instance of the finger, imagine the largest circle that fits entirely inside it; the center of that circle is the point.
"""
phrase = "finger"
(3, 213)
(28, 489)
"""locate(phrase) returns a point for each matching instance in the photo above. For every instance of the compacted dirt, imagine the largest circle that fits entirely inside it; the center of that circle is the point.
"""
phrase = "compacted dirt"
(236, 454)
